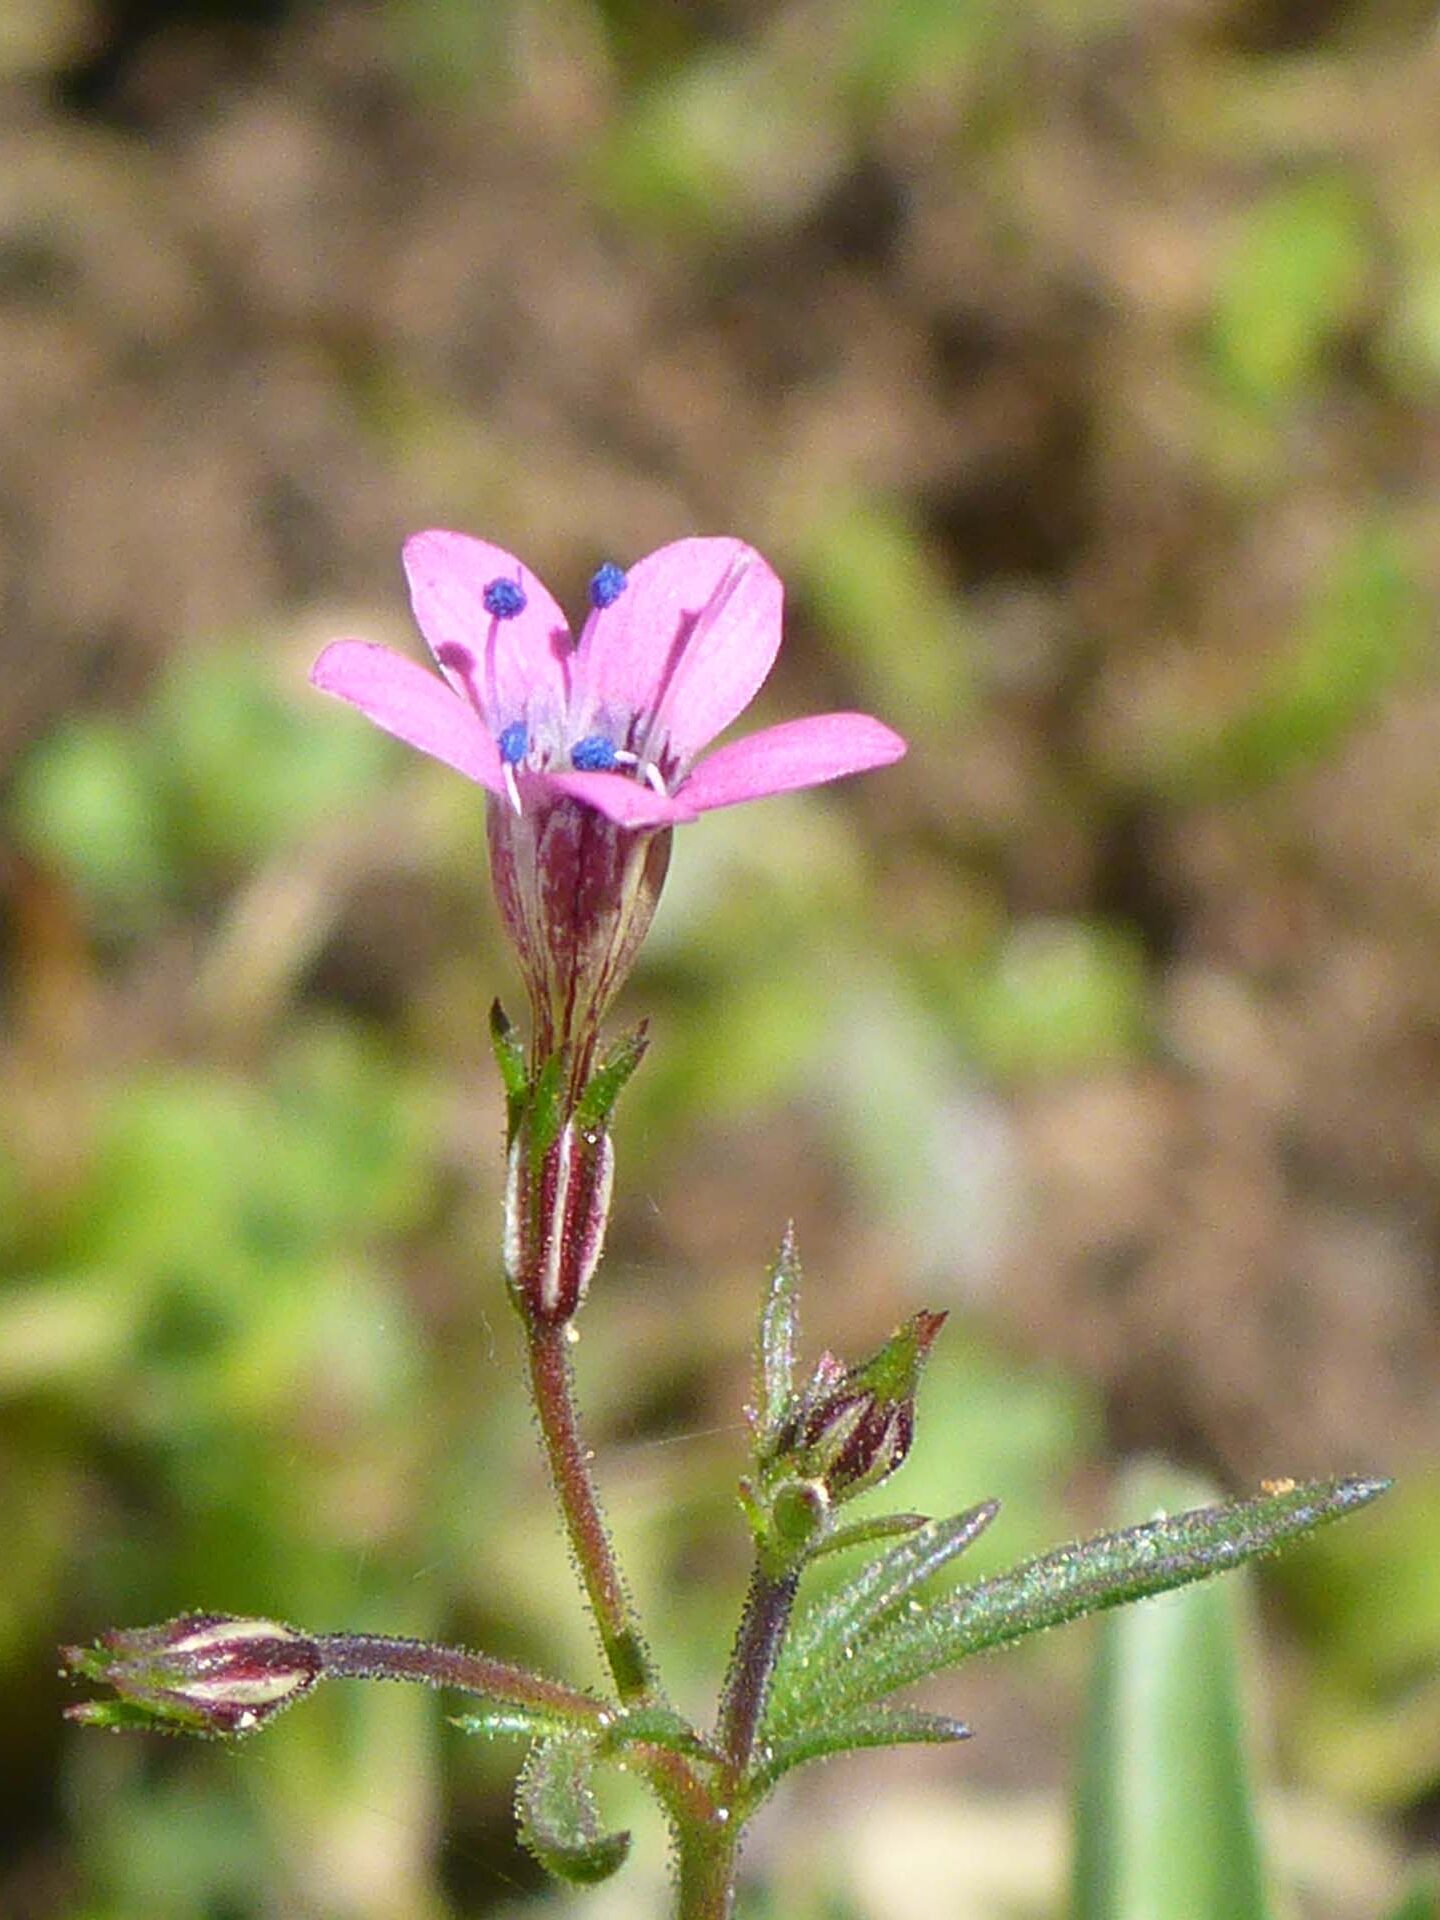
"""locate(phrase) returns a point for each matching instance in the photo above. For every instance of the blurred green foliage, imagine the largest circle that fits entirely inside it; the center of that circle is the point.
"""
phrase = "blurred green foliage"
(1300, 266)
(1367, 627)
(222, 771)
(1421, 1903)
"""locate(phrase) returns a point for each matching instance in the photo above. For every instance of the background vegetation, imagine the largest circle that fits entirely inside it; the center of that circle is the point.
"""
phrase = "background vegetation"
(1078, 364)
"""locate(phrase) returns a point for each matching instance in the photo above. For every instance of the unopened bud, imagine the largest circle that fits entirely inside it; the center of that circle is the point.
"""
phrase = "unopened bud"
(851, 1428)
(555, 1218)
(202, 1673)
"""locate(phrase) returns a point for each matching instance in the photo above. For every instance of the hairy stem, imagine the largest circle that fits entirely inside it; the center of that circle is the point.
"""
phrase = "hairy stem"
(707, 1859)
(552, 1386)
(368, 1656)
(747, 1685)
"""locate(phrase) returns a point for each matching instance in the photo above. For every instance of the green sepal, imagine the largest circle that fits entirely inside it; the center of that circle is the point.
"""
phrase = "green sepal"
(608, 1082)
(510, 1059)
(133, 1716)
(1064, 1585)
(825, 1635)
(891, 1375)
(779, 1338)
(543, 1115)
(864, 1533)
(90, 1663)
(849, 1733)
(558, 1818)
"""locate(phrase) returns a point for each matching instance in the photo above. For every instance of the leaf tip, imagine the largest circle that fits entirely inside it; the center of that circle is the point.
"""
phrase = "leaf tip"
(1362, 1489)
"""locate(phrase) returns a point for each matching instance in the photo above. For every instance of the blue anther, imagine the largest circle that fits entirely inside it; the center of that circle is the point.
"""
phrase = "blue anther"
(504, 598)
(514, 743)
(594, 754)
(608, 585)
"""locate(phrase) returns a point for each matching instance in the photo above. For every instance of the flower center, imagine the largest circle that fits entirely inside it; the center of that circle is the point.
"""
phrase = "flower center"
(519, 747)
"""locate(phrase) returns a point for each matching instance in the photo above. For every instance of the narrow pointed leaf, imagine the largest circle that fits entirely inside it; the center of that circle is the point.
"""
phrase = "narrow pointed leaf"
(1165, 1826)
(505, 1717)
(779, 1337)
(559, 1821)
(864, 1533)
(827, 1634)
(609, 1079)
(1064, 1585)
(848, 1733)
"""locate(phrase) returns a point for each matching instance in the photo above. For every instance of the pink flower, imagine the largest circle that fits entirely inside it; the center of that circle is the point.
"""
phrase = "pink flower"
(671, 653)
(590, 749)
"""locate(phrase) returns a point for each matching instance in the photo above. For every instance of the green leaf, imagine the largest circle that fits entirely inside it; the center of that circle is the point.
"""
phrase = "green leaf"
(501, 1717)
(652, 1727)
(559, 1821)
(848, 1733)
(1065, 1585)
(863, 1533)
(826, 1635)
(1165, 1824)
(608, 1082)
(779, 1336)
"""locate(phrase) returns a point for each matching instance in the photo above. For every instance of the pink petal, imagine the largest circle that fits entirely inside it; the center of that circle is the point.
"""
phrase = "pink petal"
(690, 640)
(797, 753)
(407, 700)
(622, 799)
(510, 670)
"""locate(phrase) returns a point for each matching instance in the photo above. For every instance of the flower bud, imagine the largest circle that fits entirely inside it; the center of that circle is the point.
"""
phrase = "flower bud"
(577, 894)
(850, 1429)
(555, 1218)
(202, 1673)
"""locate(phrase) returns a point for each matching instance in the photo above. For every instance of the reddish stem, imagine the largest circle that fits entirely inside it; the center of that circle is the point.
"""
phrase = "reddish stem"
(747, 1685)
(368, 1656)
(553, 1388)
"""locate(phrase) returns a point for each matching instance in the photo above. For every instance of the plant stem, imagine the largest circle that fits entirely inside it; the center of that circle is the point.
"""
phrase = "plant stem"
(707, 1872)
(552, 1384)
(747, 1685)
(368, 1656)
